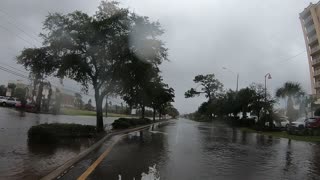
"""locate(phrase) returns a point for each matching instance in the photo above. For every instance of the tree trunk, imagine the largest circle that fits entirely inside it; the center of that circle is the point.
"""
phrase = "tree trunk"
(39, 97)
(106, 106)
(154, 114)
(143, 111)
(290, 110)
(99, 111)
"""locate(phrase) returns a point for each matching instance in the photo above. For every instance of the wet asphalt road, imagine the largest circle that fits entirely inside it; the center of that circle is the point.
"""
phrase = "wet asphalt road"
(19, 160)
(190, 150)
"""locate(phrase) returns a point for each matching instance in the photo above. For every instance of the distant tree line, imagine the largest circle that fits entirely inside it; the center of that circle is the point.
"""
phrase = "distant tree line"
(229, 103)
(253, 99)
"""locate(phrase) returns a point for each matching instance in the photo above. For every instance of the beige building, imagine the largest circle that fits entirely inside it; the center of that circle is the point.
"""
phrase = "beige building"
(311, 29)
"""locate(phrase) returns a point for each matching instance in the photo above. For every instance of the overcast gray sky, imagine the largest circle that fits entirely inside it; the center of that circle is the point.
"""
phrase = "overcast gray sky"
(250, 37)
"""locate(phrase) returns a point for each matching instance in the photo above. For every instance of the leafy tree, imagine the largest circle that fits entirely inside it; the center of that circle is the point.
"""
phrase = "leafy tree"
(92, 50)
(41, 63)
(89, 106)
(245, 97)
(20, 93)
(160, 96)
(137, 82)
(260, 101)
(231, 104)
(3, 90)
(172, 111)
(78, 101)
(290, 91)
(209, 86)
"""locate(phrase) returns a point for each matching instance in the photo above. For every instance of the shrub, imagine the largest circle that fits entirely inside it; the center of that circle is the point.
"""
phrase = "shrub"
(52, 132)
(123, 123)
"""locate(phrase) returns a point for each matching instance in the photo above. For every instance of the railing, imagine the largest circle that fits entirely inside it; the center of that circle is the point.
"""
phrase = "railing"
(312, 39)
(310, 28)
(316, 61)
(307, 20)
(304, 13)
(317, 84)
(315, 49)
(316, 72)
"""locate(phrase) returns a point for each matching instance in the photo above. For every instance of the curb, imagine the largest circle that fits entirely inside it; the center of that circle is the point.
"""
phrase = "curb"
(63, 168)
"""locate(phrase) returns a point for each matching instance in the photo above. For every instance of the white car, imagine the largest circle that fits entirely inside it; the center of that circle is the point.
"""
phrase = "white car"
(3, 100)
(299, 123)
(282, 122)
(12, 101)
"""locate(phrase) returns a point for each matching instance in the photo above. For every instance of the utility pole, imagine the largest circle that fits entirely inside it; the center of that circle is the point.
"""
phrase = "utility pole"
(268, 75)
(237, 82)
(237, 74)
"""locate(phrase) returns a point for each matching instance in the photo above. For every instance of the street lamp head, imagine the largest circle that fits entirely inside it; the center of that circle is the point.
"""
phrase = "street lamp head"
(269, 76)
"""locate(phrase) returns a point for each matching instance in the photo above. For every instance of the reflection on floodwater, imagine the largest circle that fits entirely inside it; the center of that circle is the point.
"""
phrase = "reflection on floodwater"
(20, 159)
(191, 150)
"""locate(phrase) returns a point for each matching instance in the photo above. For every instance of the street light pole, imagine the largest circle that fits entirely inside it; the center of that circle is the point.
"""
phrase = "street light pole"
(268, 75)
(237, 81)
(237, 74)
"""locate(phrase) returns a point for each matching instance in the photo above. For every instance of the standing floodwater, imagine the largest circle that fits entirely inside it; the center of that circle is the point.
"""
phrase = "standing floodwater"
(20, 160)
(190, 150)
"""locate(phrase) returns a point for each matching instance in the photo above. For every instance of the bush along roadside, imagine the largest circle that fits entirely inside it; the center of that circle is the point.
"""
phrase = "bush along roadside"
(123, 123)
(48, 133)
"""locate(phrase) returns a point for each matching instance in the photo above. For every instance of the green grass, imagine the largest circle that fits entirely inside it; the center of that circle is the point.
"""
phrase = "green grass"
(79, 112)
(284, 134)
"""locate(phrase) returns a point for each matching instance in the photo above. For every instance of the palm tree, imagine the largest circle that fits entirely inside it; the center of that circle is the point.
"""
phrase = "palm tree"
(291, 91)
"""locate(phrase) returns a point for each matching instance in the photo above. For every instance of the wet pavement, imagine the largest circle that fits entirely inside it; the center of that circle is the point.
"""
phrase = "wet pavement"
(18, 160)
(190, 150)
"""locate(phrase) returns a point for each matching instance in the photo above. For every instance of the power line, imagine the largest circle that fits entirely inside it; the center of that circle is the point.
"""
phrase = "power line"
(20, 29)
(13, 72)
(14, 20)
(288, 59)
(17, 35)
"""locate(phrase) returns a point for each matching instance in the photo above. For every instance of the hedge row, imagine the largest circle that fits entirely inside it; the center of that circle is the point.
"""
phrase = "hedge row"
(52, 132)
(123, 123)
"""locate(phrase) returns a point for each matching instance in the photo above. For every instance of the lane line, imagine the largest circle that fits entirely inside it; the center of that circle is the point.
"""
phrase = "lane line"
(98, 161)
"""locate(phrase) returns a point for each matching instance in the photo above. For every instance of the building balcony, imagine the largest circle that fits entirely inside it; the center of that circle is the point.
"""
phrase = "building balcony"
(313, 39)
(310, 29)
(316, 73)
(308, 21)
(317, 85)
(316, 62)
(305, 13)
(315, 50)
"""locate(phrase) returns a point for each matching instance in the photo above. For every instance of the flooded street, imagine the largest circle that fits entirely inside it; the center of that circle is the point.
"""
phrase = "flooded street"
(18, 160)
(190, 150)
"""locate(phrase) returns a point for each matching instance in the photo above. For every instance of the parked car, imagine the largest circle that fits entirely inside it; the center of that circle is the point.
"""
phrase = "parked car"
(281, 122)
(3, 100)
(29, 107)
(11, 102)
(312, 122)
(299, 123)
